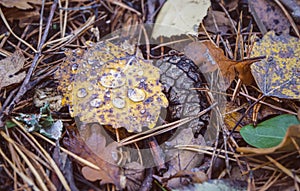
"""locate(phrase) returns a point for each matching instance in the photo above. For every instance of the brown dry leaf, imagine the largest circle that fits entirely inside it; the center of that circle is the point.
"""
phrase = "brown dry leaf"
(134, 173)
(269, 16)
(23, 4)
(94, 150)
(9, 68)
(220, 19)
(292, 135)
(182, 159)
(209, 57)
(230, 5)
(24, 17)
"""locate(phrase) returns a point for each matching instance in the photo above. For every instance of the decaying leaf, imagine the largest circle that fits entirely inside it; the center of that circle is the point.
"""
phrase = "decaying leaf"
(209, 57)
(94, 150)
(47, 96)
(23, 17)
(182, 159)
(9, 67)
(278, 74)
(268, 133)
(42, 122)
(110, 85)
(24, 4)
(220, 19)
(179, 17)
(269, 16)
(217, 185)
(290, 142)
(134, 173)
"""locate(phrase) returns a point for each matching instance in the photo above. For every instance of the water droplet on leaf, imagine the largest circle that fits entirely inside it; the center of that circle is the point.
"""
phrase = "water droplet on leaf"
(112, 79)
(82, 93)
(95, 103)
(136, 94)
(118, 102)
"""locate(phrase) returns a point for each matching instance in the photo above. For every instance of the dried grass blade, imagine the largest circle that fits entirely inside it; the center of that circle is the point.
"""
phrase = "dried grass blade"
(50, 160)
(27, 161)
(25, 178)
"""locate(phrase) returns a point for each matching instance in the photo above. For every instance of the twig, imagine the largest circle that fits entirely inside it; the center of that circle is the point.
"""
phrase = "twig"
(23, 89)
(163, 128)
(10, 30)
(124, 6)
(268, 104)
(25, 178)
(41, 21)
(244, 115)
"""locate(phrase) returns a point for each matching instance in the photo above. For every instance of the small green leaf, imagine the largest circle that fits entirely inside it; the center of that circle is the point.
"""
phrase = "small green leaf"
(10, 124)
(270, 132)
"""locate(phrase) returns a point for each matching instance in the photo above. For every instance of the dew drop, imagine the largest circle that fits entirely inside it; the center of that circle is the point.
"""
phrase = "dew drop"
(136, 94)
(118, 102)
(112, 79)
(90, 61)
(82, 93)
(140, 72)
(74, 67)
(114, 156)
(79, 52)
(95, 103)
(70, 87)
(142, 111)
(89, 43)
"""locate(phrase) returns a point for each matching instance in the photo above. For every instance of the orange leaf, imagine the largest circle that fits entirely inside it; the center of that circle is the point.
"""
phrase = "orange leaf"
(208, 57)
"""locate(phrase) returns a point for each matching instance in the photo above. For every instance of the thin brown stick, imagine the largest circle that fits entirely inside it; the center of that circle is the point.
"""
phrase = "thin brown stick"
(23, 89)
(12, 32)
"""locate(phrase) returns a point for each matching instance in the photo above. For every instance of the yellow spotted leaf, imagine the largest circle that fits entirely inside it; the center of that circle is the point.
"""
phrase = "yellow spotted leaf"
(278, 74)
(113, 86)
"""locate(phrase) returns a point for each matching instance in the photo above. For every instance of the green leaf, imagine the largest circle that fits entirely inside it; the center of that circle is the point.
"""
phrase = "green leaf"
(270, 132)
(10, 124)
